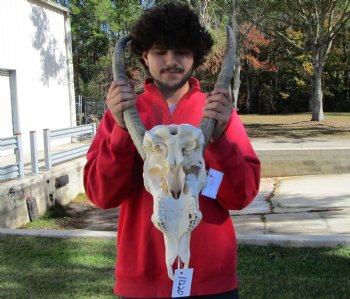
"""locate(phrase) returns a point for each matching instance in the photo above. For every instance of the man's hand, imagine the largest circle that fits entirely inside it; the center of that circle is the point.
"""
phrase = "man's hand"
(218, 105)
(119, 97)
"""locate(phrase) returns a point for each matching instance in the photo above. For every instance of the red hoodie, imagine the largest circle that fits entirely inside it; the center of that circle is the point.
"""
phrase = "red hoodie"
(113, 177)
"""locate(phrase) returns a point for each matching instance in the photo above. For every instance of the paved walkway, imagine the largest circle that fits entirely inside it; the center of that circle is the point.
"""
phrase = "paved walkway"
(289, 211)
(298, 211)
(300, 143)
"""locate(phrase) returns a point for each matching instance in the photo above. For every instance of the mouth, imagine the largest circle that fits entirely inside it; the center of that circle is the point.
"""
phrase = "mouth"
(172, 70)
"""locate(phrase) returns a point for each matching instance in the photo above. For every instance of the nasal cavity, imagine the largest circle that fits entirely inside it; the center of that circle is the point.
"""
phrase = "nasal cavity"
(175, 194)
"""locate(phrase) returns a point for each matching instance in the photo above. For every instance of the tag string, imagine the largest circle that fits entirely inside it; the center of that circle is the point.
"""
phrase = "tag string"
(180, 264)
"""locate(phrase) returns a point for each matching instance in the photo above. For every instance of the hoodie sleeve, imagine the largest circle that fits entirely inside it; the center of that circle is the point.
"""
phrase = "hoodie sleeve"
(110, 165)
(234, 155)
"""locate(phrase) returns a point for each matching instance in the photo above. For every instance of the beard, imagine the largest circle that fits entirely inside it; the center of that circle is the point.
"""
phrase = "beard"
(172, 87)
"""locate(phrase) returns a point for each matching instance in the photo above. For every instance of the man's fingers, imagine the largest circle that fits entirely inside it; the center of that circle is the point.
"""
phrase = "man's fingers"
(125, 104)
(120, 96)
(221, 94)
(120, 90)
(120, 83)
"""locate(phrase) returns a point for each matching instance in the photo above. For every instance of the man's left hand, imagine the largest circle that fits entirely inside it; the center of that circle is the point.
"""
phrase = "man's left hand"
(218, 106)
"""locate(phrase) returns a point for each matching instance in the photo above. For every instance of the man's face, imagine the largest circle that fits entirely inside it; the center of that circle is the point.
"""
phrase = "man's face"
(170, 68)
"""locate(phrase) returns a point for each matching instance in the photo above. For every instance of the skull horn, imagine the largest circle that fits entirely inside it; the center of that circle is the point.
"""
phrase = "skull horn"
(132, 119)
(207, 125)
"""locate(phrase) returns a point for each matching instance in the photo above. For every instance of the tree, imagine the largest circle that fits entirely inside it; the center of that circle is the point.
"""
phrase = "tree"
(337, 74)
(319, 22)
(96, 25)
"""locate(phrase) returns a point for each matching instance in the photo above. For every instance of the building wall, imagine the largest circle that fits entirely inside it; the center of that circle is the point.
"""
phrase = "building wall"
(33, 47)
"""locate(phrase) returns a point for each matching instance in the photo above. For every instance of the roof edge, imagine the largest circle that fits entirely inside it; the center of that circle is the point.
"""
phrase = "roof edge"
(55, 5)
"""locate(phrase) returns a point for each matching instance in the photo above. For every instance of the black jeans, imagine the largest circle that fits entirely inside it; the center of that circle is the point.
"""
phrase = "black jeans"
(229, 295)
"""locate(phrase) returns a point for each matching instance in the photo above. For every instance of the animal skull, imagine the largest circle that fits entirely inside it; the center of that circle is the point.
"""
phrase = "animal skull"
(174, 173)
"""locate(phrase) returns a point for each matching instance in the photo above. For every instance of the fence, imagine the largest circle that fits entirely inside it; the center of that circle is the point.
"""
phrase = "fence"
(89, 110)
(12, 170)
(65, 155)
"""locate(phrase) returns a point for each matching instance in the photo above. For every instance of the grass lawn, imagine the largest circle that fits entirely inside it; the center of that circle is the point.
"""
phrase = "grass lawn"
(335, 125)
(62, 217)
(34, 267)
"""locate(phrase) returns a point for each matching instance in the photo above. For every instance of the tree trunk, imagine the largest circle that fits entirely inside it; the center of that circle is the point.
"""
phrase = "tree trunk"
(347, 85)
(316, 102)
(247, 103)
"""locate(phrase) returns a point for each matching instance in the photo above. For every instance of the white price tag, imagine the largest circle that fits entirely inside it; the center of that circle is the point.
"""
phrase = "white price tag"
(212, 185)
(182, 283)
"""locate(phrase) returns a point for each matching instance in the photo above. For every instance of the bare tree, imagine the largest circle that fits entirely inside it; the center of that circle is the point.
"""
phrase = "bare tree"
(212, 15)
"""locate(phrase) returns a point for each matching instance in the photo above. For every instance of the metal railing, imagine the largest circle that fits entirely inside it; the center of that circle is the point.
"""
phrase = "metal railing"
(13, 170)
(65, 155)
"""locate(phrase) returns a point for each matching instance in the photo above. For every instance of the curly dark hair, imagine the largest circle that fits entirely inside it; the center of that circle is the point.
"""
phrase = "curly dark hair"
(172, 27)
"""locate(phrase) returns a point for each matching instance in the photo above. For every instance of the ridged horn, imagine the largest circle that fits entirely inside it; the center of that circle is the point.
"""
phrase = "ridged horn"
(208, 124)
(131, 117)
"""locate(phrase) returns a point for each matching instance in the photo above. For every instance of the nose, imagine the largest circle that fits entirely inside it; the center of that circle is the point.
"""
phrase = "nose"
(170, 58)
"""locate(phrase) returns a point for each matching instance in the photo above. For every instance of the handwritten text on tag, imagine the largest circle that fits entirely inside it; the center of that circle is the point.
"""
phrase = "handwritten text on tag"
(182, 283)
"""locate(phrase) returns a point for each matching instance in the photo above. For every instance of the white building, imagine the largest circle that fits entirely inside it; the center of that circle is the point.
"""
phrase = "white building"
(36, 70)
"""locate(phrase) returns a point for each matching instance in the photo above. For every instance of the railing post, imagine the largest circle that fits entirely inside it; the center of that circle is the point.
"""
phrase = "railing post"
(19, 156)
(48, 160)
(34, 152)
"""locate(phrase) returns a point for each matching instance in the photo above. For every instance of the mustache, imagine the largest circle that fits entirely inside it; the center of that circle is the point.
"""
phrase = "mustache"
(172, 69)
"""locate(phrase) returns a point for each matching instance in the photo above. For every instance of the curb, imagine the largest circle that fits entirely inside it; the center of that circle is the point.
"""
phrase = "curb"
(59, 233)
(259, 240)
(295, 240)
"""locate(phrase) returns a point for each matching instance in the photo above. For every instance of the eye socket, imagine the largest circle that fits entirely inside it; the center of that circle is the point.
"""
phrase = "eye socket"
(159, 148)
(189, 148)
(187, 151)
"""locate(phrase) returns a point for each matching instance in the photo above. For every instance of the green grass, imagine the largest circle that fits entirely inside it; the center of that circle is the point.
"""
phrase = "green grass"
(275, 272)
(335, 125)
(81, 199)
(50, 220)
(34, 267)
(57, 217)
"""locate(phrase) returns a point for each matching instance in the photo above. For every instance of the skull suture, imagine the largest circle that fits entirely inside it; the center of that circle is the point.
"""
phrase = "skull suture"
(174, 173)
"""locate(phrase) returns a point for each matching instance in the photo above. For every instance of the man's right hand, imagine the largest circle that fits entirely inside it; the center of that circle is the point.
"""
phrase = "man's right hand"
(119, 97)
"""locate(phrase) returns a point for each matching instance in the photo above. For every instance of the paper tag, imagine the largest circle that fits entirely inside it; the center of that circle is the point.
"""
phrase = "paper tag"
(182, 283)
(212, 185)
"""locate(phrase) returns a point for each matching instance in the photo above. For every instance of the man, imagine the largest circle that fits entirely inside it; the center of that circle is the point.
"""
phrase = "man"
(171, 43)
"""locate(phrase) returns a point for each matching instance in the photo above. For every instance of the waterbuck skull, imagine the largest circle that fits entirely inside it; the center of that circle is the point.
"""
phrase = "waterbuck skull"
(174, 169)
(174, 173)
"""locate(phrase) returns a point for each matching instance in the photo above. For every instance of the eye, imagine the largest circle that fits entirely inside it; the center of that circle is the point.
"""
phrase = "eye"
(158, 51)
(183, 52)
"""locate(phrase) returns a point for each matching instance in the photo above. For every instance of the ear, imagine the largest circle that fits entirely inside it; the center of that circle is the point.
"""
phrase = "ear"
(145, 57)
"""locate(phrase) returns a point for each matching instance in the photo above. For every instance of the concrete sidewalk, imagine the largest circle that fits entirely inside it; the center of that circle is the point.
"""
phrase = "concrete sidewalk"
(298, 211)
(288, 211)
(300, 143)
